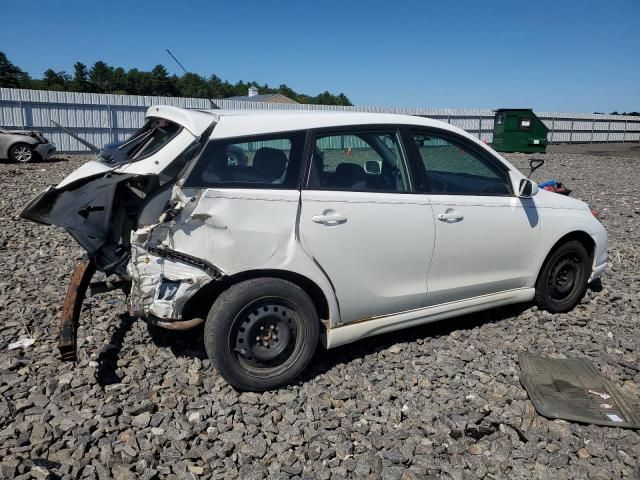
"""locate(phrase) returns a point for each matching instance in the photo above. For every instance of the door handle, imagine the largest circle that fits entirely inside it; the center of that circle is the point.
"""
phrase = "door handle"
(329, 219)
(450, 217)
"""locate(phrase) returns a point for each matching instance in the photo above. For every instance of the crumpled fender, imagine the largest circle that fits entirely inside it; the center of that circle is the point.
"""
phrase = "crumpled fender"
(147, 295)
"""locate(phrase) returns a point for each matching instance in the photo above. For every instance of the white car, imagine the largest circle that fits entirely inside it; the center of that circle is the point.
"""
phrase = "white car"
(281, 229)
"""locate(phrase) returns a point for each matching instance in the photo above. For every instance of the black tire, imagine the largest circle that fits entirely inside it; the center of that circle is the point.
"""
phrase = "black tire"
(22, 153)
(253, 358)
(563, 279)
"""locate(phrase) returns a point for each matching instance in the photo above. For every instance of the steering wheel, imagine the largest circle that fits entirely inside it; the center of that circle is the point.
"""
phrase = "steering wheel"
(389, 177)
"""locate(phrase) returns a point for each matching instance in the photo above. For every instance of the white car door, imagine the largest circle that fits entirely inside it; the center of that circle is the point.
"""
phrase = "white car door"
(363, 226)
(486, 237)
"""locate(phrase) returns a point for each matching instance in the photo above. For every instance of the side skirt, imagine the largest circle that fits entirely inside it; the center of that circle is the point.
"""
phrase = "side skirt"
(351, 332)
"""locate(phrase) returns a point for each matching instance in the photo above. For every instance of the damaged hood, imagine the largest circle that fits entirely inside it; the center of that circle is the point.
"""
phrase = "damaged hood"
(27, 133)
(21, 132)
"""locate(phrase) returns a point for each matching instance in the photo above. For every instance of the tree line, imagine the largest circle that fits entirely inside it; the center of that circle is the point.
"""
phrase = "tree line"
(104, 78)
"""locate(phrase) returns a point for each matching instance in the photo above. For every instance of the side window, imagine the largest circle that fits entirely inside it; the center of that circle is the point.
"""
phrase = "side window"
(255, 162)
(452, 168)
(359, 161)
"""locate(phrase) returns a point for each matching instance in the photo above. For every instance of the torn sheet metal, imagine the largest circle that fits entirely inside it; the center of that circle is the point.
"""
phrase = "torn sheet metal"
(160, 286)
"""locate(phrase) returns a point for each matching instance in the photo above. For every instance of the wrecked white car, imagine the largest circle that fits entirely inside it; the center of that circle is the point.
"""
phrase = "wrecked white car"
(279, 229)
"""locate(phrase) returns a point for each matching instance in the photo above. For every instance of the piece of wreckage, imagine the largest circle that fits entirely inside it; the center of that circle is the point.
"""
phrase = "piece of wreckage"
(119, 197)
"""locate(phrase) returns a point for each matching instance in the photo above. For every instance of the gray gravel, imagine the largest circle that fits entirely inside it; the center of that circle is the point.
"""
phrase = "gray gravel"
(439, 401)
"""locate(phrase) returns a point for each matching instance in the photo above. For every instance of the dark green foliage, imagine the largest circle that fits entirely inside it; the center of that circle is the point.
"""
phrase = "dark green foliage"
(103, 78)
(10, 75)
(81, 81)
(633, 114)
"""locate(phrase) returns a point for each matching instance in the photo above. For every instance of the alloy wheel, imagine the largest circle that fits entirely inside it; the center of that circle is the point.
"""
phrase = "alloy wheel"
(22, 154)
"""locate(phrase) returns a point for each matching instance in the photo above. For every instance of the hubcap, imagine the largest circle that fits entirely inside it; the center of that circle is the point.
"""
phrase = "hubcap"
(265, 335)
(563, 277)
(22, 154)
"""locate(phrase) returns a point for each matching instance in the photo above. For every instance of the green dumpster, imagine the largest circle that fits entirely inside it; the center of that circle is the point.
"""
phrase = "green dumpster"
(519, 130)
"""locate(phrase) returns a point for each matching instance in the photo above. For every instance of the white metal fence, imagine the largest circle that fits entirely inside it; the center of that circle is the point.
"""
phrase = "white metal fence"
(102, 118)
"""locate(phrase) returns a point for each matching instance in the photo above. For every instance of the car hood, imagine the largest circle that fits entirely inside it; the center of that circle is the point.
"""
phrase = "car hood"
(546, 199)
(21, 132)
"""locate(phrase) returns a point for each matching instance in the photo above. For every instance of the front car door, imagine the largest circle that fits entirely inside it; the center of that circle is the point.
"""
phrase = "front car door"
(486, 237)
(362, 224)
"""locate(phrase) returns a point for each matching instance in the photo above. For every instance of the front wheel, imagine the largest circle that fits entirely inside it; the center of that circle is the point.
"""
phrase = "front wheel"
(261, 333)
(563, 279)
(21, 153)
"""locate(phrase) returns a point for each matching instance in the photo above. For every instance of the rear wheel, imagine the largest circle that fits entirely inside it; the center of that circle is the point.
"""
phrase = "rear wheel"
(261, 333)
(563, 279)
(21, 153)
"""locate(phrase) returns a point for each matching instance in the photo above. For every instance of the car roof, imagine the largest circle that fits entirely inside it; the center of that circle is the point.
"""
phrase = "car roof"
(237, 123)
(244, 122)
(232, 123)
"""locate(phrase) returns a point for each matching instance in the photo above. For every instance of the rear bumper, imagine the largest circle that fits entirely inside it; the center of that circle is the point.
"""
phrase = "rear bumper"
(45, 150)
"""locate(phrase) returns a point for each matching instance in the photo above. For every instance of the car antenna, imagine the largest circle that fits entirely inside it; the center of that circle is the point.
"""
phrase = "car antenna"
(213, 104)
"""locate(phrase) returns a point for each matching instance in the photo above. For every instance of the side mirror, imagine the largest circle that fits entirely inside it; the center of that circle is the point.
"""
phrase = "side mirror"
(373, 167)
(527, 188)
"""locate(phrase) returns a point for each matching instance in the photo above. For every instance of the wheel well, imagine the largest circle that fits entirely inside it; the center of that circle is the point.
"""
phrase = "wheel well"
(582, 237)
(200, 303)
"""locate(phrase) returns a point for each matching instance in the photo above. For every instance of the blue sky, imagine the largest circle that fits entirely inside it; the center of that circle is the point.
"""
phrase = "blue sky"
(561, 55)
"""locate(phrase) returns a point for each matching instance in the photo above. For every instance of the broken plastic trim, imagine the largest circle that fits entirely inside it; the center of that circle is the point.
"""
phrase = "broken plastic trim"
(215, 273)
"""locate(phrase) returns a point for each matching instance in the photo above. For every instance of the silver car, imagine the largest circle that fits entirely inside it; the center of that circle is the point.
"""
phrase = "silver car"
(23, 146)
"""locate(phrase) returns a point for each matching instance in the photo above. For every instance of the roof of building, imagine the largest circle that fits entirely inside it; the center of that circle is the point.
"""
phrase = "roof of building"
(253, 98)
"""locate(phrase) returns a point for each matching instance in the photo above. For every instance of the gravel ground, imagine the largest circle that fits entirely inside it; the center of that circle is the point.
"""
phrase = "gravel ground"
(439, 401)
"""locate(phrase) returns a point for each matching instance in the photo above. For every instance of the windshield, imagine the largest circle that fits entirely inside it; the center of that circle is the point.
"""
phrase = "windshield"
(153, 136)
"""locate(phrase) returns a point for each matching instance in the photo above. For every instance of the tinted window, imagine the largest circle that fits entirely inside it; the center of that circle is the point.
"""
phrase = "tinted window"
(264, 161)
(359, 161)
(453, 168)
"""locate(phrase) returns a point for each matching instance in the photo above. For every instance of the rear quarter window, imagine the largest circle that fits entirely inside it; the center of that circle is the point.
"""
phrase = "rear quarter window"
(271, 161)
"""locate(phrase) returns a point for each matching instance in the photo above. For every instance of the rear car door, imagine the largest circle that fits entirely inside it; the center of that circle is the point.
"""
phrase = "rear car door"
(363, 225)
(486, 237)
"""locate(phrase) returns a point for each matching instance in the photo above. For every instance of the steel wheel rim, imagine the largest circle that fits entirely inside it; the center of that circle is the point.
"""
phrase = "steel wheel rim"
(264, 334)
(22, 154)
(564, 277)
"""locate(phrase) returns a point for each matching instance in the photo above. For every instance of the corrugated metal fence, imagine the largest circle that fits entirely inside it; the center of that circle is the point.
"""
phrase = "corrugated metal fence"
(102, 118)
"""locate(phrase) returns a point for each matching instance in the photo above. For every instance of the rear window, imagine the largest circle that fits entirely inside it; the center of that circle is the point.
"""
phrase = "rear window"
(151, 138)
(251, 162)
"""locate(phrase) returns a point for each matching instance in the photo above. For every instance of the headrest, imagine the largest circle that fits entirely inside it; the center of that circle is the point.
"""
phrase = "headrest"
(270, 162)
(348, 174)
